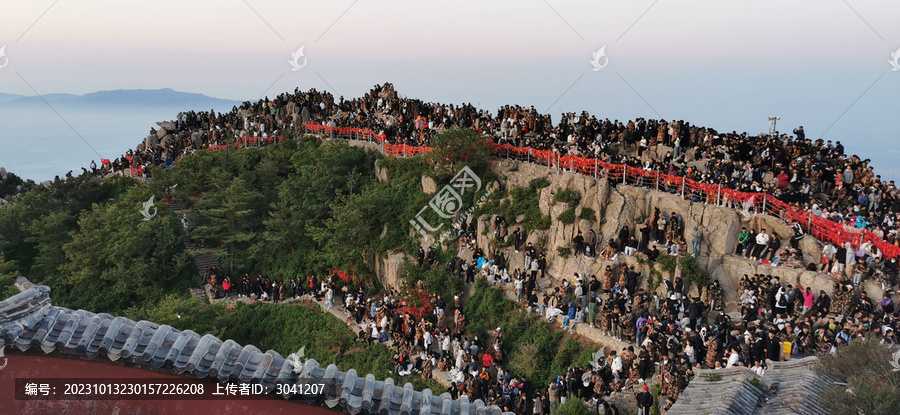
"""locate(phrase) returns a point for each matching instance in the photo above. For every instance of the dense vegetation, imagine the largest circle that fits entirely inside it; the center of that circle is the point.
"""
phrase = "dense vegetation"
(871, 371)
(85, 238)
(519, 201)
(531, 349)
(302, 207)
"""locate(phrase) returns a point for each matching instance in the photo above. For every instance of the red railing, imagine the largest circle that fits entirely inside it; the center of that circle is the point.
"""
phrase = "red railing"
(817, 226)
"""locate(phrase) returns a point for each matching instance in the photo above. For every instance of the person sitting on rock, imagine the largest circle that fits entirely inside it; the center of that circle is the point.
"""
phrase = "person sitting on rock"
(609, 251)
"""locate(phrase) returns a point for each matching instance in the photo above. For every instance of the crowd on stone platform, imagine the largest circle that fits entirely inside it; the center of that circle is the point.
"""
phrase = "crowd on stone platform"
(814, 175)
(671, 335)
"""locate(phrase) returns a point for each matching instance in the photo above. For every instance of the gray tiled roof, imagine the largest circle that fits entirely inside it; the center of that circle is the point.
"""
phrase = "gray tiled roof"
(28, 320)
(791, 387)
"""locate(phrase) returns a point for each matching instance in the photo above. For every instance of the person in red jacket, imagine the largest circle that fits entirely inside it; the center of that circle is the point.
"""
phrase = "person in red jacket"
(226, 285)
(487, 360)
(783, 179)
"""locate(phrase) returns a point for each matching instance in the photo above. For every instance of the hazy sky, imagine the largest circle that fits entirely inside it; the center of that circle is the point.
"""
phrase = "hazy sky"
(822, 64)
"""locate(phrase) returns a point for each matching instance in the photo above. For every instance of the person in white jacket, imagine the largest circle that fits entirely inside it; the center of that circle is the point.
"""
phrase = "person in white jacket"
(762, 241)
(616, 365)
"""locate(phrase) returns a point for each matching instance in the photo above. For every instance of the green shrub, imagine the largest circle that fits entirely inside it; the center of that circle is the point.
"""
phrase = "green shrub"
(567, 216)
(588, 214)
(564, 251)
(518, 201)
(713, 378)
(570, 197)
(542, 222)
(438, 279)
(654, 279)
(539, 183)
(692, 272)
(573, 406)
(532, 349)
(655, 390)
(667, 263)
(421, 384)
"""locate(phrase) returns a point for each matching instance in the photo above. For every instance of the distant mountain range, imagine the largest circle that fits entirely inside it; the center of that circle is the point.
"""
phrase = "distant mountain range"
(123, 97)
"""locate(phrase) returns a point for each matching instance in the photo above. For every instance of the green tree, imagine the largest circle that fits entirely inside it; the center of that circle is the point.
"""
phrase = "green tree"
(34, 225)
(116, 260)
(324, 177)
(460, 145)
(48, 236)
(692, 272)
(7, 278)
(873, 386)
(227, 223)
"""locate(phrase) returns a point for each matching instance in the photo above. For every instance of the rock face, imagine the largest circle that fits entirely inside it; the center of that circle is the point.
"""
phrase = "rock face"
(388, 269)
(617, 205)
(381, 172)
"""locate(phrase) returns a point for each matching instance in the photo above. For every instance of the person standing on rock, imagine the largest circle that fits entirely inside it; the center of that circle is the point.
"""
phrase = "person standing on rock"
(798, 234)
(661, 229)
(623, 236)
(644, 401)
(742, 239)
(431, 256)
(695, 241)
(645, 237)
(608, 279)
(543, 264)
(592, 242)
(593, 287)
(528, 255)
(519, 284)
(578, 241)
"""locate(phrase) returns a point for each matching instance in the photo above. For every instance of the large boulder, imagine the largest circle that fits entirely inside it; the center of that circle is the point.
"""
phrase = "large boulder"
(627, 206)
(771, 224)
(380, 172)
(720, 228)
(428, 185)
(167, 125)
(812, 250)
(388, 269)
(151, 142)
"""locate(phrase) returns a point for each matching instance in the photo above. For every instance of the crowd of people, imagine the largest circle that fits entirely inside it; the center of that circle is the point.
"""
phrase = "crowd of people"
(670, 335)
(815, 175)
